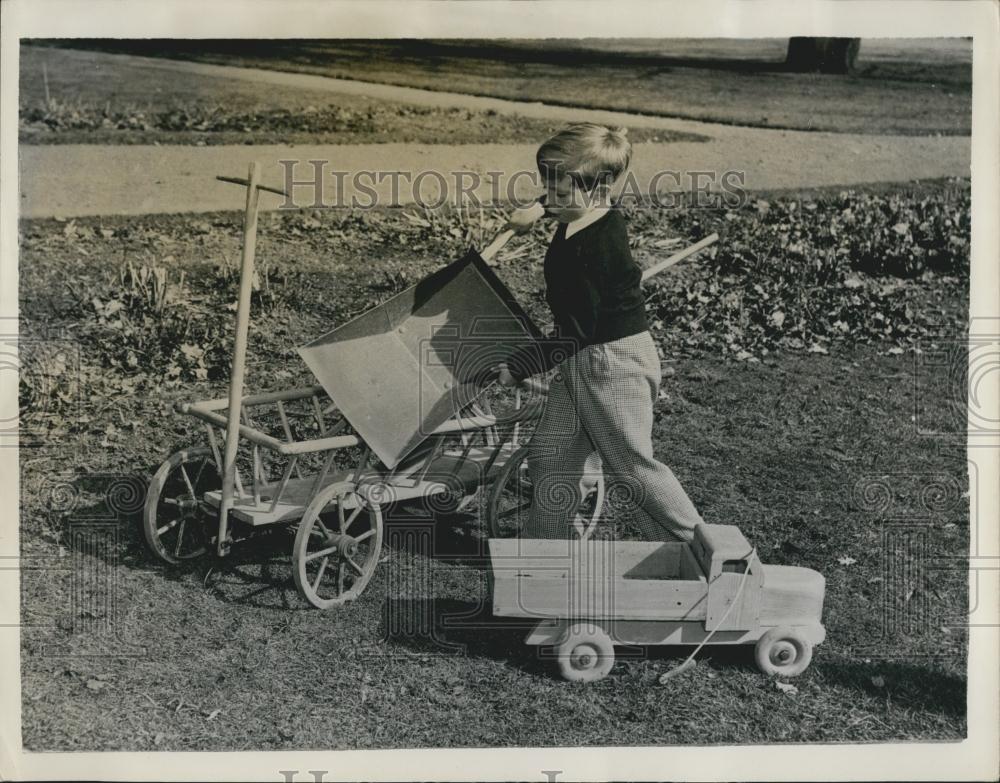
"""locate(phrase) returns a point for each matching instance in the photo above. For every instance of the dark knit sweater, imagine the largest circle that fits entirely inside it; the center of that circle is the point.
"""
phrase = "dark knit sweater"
(593, 287)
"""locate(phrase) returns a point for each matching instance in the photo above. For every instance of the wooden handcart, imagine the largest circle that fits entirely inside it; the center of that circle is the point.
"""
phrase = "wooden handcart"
(399, 414)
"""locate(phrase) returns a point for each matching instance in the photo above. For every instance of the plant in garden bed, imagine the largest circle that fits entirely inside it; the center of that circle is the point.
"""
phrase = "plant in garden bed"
(145, 320)
(53, 120)
(855, 267)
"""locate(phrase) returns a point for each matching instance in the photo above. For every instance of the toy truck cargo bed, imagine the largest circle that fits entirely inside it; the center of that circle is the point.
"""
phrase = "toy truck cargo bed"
(634, 580)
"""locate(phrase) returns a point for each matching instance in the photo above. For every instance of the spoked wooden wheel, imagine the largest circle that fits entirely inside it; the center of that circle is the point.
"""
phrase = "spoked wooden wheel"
(175, 520)
(337, 546)
(511, 497)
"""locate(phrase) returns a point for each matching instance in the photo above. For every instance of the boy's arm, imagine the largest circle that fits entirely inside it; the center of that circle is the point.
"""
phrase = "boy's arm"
(618, 277)
(523, 219)
(536, 357)
(540, 356)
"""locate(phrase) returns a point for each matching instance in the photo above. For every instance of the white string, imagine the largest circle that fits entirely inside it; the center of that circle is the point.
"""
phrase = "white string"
(739, 592)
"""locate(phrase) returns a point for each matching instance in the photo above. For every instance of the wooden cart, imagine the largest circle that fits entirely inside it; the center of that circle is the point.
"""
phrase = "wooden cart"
(400, 413)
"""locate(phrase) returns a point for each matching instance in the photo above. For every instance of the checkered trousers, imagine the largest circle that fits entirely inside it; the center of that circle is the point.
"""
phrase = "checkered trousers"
(601, 400)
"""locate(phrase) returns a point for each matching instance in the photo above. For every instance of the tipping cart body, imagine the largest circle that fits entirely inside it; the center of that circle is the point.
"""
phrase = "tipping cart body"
(403, 381)
(415, 359)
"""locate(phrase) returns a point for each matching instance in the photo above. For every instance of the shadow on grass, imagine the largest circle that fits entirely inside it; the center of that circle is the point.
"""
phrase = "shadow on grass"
(108, 526)
(433, 53)
(925, 688)
(455, 537)
(257, 573)
(448, 626)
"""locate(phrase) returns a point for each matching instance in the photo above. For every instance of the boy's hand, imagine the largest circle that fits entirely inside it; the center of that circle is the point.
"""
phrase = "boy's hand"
(523, 219)
(504, 376)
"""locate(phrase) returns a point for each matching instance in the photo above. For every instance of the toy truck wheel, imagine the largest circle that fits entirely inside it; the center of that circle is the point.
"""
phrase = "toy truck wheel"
(174, 518)
(511, 495)
(783, 651)
(337, 546)
(585, 653)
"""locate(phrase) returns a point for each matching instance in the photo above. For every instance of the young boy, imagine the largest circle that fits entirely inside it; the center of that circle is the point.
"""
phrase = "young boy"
(608, 368)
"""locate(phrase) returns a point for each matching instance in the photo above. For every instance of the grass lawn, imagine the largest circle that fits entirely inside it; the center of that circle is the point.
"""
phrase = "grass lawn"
(815, 454)
(917, 88)
(92, 100)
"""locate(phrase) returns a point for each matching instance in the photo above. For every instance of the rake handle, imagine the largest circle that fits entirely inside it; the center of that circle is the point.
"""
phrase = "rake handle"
(494, 247)
(680, 255)
(246, 182)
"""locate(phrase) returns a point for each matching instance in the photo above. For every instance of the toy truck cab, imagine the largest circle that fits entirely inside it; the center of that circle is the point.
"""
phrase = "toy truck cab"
(773, 595)
(727, 561)
(591, 595)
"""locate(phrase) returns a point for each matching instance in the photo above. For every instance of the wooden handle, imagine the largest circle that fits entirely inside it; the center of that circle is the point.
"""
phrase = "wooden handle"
(228, 467)
(679, 256)
(498, 242)
(246, 182)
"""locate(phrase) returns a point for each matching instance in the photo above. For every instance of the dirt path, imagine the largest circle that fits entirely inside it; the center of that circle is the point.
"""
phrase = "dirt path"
(75, 180)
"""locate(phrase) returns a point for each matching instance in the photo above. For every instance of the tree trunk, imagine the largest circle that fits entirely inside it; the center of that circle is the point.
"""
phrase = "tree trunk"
(825, 55)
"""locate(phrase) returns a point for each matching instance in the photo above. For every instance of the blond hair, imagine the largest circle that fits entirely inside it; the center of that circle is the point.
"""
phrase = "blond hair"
(589, 153)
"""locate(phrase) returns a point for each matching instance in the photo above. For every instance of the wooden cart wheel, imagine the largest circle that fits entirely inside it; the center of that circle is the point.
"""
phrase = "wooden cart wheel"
(585, 653)
(337, 545)
(175, 520)
(783, 651)
(510, 501)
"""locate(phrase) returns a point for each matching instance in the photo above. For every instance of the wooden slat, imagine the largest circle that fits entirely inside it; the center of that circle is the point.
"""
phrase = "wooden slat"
(619, 579)
(298, 493)
(632, 559)
(285, 477)
(256, 436)
(253, 399)
(519, 595)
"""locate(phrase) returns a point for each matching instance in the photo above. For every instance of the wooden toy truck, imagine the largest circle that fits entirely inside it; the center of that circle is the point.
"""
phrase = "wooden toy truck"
(590, 595)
